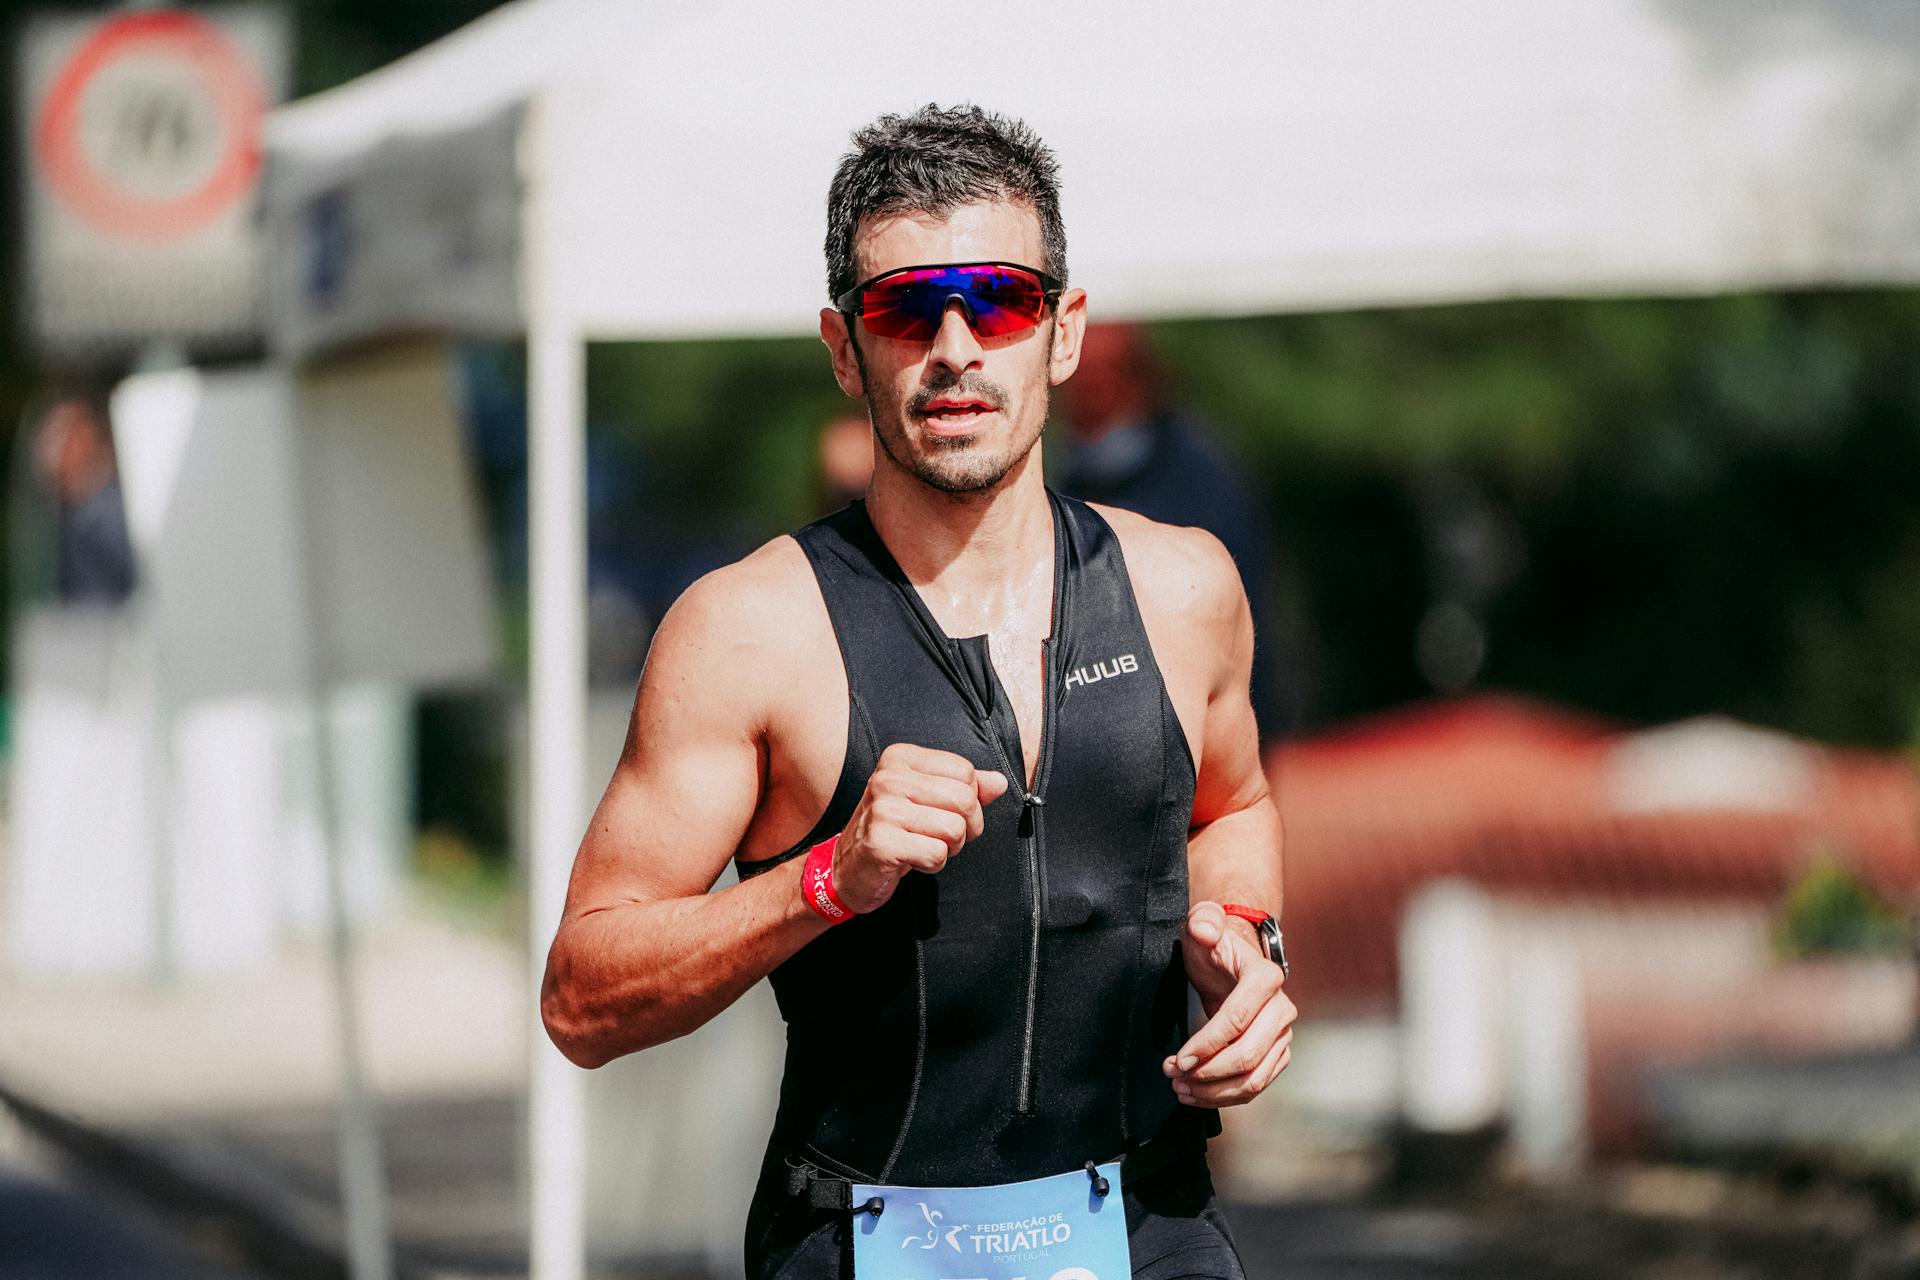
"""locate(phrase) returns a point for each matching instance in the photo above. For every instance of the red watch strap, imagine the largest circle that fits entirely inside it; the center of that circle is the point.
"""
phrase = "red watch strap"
(816, 884)
(1268, 930)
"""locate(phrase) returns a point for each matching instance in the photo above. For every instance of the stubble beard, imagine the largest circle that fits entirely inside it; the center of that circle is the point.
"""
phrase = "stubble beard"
(963, 465)
(958, 465)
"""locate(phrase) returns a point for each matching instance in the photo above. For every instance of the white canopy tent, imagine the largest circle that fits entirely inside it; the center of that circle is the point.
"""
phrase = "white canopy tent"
(1217, 160)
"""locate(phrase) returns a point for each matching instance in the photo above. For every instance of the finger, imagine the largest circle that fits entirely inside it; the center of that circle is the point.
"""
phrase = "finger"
(1215, 963)
(1230, 1022)
(942, 793)
(915, 851)
(1238, 1089)
(1206, 923)
(1245, 1053)
(992, 784)
(1274, 1021)
(929, 760)
(928, 820)
(1241, 1087)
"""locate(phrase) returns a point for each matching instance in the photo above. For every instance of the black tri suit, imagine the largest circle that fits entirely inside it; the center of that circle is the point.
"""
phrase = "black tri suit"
(1005, 1019)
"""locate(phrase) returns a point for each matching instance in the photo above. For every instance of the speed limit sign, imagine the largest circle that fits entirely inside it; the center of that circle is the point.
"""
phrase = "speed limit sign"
(143, 151)
(153, 127)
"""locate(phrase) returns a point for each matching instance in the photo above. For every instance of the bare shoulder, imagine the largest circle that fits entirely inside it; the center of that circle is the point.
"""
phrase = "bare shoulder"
(1179, 572)
(1194, 610)
(749, 602)
(740, 630)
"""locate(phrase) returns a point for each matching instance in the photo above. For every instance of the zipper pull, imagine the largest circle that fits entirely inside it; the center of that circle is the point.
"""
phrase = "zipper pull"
(1028, 803)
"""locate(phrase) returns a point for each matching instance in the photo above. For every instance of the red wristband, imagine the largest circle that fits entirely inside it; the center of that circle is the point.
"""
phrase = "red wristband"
(816, 884)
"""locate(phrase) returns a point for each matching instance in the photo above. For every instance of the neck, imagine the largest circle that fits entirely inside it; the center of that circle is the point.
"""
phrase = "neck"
(976, 550)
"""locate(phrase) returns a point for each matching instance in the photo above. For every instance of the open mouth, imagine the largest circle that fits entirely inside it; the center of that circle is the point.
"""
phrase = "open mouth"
(955, 414)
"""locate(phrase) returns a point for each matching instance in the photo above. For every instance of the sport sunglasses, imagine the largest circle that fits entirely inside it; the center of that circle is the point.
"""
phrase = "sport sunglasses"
(999, 298)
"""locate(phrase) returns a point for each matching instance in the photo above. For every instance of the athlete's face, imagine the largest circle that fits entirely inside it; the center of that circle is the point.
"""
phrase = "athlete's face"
(957, 411)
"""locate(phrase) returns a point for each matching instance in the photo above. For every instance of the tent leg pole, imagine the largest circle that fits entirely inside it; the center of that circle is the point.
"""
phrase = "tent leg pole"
(162, 730)
(363, 1192)
(557, 698)
(363, 1184)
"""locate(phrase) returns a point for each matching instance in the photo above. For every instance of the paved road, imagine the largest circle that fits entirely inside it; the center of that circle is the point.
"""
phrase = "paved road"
(452, 1178)
(52, 1228)
(1558, 1239)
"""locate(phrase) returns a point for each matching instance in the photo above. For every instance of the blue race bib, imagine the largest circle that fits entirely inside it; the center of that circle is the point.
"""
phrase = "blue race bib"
(1058, 1228)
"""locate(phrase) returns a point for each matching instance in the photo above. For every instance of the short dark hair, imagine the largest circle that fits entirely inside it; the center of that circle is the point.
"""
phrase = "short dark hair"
(933, 161)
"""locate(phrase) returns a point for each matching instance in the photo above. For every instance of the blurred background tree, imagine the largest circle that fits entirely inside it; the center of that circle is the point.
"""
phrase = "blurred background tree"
(1676, 505)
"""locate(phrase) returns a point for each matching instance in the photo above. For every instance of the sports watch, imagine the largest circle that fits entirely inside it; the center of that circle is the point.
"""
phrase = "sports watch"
(1269, 931)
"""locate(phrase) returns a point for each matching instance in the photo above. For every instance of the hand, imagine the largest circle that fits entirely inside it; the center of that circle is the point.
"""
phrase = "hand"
(1248, 1038)
(920, 806)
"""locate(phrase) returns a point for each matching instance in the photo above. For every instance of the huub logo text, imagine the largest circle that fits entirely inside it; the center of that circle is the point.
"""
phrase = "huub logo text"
(1125, 664)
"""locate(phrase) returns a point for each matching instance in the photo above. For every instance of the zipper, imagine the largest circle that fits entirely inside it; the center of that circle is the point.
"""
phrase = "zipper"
(1033, 800)
(1030, 804)
(1032, 818)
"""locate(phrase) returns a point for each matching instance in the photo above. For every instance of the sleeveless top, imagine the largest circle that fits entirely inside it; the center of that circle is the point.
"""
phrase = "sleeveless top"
(1006, 1018)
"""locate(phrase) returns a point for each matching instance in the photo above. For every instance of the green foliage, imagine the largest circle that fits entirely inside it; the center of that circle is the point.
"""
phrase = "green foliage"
(726, 431)
(465, 884)
(1829, 910)
(1714, 498)
(337, 40)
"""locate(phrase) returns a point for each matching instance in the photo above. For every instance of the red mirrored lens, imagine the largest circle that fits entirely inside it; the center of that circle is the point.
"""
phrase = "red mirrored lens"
(998, 300)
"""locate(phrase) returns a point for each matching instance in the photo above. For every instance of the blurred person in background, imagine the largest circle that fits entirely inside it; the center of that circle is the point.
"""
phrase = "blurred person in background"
(1131, 447)
(980, 871)
(73, 456)
(846, 461)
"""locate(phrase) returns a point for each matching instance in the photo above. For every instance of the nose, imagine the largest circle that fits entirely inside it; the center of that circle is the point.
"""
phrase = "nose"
(954, 342)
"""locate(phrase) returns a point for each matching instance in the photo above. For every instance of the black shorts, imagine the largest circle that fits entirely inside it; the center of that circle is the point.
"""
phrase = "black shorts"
(1175, 1230)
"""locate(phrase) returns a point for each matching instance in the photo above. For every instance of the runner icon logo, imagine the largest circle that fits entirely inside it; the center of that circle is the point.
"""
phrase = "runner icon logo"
(932, 1238)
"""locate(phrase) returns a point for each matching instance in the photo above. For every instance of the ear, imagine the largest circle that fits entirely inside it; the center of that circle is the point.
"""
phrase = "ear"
(1069, 326)
(846, 366)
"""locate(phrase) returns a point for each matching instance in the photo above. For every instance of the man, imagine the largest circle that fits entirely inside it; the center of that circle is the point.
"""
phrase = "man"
(984, 756)
(73, 452)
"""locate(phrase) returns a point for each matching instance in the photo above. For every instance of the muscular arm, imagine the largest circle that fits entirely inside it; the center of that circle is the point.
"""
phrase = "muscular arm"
(1233, 848)
(644, 952)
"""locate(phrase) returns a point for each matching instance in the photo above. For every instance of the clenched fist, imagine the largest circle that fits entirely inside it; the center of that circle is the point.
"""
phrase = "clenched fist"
(920, 806)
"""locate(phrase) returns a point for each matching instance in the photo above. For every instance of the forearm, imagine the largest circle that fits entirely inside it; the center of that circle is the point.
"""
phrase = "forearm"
(1247, 1039)
(1236, 858)
(627, 977)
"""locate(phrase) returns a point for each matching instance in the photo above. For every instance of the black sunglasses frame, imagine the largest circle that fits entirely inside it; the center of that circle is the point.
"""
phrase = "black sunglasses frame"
(852, 302)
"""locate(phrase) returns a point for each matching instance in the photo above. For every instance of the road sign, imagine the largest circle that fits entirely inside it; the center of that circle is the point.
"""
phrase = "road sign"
(142, 145)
